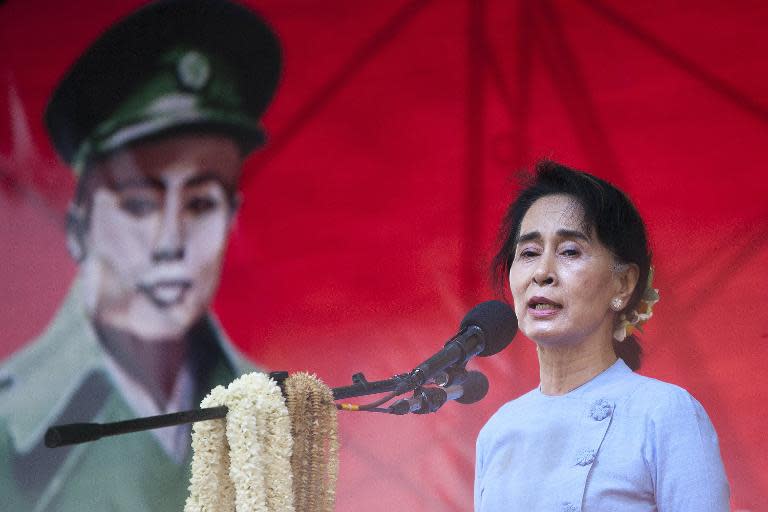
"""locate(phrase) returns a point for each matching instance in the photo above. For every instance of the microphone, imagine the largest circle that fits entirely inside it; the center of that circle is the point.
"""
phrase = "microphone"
(474, 389)
(487, 329)
(427, 400)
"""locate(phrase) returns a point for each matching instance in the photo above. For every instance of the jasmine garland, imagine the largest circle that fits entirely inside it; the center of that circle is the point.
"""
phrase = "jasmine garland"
(266, 456)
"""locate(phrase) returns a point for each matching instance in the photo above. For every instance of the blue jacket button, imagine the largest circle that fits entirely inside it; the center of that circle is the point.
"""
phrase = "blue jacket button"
(585, 457)
(601, 409)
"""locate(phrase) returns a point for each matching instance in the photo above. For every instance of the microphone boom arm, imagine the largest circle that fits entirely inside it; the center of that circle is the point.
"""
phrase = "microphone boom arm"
(487, 328)
(76, 433)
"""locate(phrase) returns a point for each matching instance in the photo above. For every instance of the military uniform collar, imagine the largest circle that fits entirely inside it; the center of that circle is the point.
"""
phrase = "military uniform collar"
(44, 377)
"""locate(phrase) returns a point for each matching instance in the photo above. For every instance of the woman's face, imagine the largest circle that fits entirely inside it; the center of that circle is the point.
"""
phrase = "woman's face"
(562, 278)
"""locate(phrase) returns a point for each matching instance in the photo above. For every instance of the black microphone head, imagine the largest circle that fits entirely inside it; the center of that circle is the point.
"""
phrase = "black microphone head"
(498, 322)
(475, 388)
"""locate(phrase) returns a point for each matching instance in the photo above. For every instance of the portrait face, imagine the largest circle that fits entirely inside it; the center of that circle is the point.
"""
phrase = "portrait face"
(562, 278)
(159, 221)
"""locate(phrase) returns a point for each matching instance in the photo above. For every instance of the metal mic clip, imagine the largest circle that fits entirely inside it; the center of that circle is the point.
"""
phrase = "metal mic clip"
(451, 376)
(425, 400)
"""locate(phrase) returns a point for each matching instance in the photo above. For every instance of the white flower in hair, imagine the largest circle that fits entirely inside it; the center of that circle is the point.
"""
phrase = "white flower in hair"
(636, 318)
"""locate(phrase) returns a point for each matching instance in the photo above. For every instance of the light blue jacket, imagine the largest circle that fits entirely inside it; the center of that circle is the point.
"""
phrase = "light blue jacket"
(620, 442)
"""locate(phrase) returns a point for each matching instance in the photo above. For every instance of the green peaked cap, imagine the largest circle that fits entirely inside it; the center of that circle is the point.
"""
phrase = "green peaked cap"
(175, 65)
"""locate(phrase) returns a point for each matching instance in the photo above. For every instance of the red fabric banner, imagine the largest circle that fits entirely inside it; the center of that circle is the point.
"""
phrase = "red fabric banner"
(369, 219)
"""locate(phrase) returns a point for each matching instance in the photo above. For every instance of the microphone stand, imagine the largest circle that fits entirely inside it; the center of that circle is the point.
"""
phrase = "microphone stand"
(76, 433)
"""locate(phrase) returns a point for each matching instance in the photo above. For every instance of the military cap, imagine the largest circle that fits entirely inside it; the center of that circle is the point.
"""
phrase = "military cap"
(173, 65)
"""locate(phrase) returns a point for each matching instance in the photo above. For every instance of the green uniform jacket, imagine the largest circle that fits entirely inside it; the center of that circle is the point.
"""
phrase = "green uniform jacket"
(61, 378)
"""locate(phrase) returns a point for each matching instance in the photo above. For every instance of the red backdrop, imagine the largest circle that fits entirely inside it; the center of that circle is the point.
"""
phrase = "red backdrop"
(369, 219)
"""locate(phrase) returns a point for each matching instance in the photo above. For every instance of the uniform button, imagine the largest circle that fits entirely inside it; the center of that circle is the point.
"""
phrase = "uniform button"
(585, 457)
(601, 409)
(569, 507)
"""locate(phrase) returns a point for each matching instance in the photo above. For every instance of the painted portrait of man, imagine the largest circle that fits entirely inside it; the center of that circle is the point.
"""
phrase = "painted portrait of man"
(155, 118)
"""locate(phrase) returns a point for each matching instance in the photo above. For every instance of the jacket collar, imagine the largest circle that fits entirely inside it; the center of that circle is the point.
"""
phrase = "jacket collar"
(44, 377)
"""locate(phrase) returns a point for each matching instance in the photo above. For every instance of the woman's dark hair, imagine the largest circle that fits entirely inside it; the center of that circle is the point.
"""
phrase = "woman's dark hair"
(610, 215)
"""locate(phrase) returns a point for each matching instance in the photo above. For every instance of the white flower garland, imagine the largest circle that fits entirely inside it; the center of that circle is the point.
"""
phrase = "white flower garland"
(243, 463)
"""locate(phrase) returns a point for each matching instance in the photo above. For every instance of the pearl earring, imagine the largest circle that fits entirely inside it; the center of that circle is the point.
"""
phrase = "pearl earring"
(616, 304)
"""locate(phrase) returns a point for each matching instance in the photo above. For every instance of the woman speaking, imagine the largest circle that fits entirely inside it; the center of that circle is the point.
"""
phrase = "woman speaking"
(594, 436)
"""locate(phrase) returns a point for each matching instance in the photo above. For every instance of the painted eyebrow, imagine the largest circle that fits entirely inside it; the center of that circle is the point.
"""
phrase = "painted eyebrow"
(203, 178)
(138, 182)
(562, 233)
(158, 184)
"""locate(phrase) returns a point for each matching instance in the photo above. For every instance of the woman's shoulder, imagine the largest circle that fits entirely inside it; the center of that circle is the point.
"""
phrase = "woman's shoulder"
(659, 400)
(678, 435)
(522, 402)
(511, 411)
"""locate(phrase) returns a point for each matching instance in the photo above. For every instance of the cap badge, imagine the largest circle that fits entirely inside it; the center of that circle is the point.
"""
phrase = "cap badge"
(193, 71)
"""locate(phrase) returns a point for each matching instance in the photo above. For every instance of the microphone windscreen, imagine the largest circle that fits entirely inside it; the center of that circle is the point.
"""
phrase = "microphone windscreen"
(475, 388)
(498, 322)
